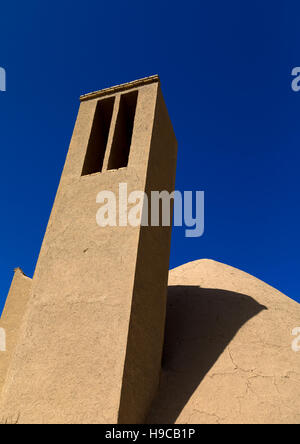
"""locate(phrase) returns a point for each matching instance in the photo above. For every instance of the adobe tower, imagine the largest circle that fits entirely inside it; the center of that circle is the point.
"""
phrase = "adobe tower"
(90, 345)
(11, 319)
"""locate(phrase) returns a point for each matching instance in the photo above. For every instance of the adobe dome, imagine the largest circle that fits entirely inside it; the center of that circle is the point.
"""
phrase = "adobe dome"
(228, 354)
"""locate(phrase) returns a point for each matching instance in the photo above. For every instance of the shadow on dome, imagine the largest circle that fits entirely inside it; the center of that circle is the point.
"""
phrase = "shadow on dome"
(200, 324)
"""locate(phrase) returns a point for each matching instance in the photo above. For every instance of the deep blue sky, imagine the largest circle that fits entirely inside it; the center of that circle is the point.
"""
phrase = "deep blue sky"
(225, 69)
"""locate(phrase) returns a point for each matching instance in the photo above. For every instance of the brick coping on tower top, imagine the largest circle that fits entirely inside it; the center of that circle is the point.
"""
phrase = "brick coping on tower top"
(122, 87)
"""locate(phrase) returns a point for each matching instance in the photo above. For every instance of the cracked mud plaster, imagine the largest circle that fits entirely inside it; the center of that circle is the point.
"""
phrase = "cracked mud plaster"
(228, 356)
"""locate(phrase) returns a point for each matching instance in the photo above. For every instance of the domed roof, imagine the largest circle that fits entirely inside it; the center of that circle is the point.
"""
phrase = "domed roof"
(228, 354)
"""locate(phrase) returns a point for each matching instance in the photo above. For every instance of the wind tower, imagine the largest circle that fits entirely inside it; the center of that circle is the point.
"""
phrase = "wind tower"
(91, 340)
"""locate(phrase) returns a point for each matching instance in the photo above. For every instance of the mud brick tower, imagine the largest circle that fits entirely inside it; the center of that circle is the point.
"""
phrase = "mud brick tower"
(11, 320)
(90, 343)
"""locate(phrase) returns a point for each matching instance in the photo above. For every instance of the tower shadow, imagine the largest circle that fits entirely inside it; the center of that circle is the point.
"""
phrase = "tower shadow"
(200, 324)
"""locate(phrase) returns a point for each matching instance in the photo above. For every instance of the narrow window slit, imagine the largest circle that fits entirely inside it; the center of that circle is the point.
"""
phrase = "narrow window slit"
(95, 153)
(120, 149)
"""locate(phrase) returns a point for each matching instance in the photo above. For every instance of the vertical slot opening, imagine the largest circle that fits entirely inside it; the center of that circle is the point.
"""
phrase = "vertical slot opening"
(120, 149)
(95, 153)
